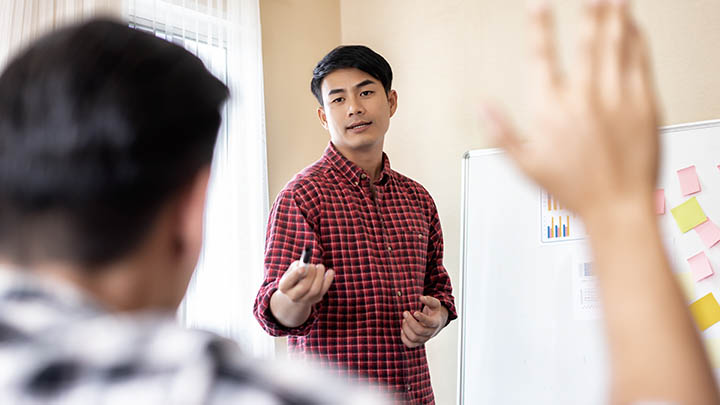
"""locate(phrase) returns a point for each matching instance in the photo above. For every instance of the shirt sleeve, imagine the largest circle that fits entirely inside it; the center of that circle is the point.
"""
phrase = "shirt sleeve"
(437, 280)
(292, 226)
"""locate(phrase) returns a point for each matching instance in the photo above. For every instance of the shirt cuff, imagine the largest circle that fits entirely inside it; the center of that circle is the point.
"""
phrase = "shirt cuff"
(449, 304)
(275, 328)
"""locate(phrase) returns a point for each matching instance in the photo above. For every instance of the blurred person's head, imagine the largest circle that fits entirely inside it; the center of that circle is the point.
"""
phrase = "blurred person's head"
(106, 138)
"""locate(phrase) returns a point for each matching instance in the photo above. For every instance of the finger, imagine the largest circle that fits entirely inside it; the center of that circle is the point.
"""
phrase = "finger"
(318, 280)
(427, 311)
(431, 302)
(407, 341)
(410, 334)
(615, 45)
(427, 321)
(291, 277)
(304, 286)
(416, 327)
(585, 75)
(543, 57)
(640, 73)
(328, 280)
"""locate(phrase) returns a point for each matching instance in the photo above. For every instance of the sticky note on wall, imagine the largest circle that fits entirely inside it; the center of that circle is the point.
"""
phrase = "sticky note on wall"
(688, 215)
(705, 311)
(709, 233)
(660, 201)
(689, 183)
(700, 266)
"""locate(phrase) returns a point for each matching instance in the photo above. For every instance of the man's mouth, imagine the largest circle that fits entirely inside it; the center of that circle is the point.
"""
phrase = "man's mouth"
(359, 125)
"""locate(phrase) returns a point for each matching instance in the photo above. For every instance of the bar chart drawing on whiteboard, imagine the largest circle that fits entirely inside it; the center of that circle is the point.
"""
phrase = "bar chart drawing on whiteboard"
(557, 223)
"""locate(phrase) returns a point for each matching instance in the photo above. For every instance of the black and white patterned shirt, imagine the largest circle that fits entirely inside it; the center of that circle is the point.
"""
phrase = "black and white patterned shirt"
(59, 347)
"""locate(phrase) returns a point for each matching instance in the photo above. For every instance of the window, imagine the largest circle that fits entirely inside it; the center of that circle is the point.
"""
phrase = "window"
(225, 35)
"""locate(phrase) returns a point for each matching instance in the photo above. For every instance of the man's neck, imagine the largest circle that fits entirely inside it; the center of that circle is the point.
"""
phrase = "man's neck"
(116, 289)
(137, 281)
(370, 161)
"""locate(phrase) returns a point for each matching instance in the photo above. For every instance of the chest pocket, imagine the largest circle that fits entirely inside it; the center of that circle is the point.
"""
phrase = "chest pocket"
(410, 245)
(415, 245)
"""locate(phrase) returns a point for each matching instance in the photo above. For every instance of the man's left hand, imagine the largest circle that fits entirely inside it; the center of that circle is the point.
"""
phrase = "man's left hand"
(419, 327)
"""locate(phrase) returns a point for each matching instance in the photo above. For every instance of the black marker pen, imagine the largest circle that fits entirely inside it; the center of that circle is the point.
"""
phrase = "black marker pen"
(305, 258)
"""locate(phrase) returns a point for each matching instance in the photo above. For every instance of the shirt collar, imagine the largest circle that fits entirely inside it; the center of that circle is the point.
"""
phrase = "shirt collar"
(353, 172)
(59, 298)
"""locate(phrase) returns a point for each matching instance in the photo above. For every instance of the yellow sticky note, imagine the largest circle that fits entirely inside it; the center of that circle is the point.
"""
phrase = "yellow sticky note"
(688, 215)
(687, 285)
(706, 311)
(712, 347)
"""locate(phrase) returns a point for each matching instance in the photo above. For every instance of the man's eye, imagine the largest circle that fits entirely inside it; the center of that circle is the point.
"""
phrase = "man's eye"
(366, 93)
(338, 100)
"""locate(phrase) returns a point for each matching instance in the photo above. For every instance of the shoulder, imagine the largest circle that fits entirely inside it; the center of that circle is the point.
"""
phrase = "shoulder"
(413, 188)
(154, 360)
(107, 355)
(309, 183)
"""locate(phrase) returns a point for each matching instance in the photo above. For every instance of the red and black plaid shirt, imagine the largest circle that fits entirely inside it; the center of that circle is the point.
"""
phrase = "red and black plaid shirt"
(386, 253)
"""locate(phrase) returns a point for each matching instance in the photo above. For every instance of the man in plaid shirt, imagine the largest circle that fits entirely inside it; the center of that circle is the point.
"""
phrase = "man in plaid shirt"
(376, 289)
(106, 139)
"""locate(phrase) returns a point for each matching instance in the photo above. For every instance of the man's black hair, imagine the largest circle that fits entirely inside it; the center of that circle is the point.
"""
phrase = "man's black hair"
(100, 125)
(351, 56)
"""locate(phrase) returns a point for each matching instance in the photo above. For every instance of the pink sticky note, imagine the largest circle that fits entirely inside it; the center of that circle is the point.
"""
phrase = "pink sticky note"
(689, 183)
(709, 233)
(660, 201)
(700, 266)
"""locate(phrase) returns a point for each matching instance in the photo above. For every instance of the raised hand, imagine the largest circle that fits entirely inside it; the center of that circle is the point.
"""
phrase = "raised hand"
(599, 121)
(593, 144)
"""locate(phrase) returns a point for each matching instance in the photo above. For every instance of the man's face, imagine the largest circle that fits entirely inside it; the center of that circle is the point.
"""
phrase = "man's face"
(356, 111)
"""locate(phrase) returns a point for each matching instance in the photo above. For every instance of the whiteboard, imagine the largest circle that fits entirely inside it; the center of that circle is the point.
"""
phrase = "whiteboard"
(531, 327)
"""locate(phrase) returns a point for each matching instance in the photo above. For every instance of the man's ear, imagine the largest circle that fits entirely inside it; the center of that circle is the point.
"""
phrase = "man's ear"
(392, 100)
(322, 117)
(191, 212)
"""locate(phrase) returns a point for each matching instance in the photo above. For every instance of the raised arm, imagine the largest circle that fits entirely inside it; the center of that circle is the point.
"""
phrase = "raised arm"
(602, 118)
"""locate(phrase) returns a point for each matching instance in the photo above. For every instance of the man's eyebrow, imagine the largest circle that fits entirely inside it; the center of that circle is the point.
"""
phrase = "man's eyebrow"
(364, 83)
(335, 91)
(357, 86)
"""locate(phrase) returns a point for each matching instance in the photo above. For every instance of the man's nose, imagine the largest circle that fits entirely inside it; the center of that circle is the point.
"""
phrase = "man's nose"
(355, 107)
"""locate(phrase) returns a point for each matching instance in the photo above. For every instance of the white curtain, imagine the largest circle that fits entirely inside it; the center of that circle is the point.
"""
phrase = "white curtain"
(225, 34)
(21, 21)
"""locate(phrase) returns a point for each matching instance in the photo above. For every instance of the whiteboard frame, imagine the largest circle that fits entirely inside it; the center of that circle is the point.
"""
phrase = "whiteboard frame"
(463, 237)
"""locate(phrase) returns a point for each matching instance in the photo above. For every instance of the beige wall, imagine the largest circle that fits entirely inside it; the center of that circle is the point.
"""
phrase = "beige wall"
(448, 56)
(296, 34)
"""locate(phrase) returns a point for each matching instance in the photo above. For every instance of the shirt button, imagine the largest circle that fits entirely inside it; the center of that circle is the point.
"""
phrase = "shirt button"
(355, 183)
(408, 388)
(420, 236)
(389, 248)
(362, 176)
(399, 293)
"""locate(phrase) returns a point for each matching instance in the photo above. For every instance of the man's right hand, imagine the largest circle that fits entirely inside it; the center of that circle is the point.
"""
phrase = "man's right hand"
(306, 284)
(302, 286)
